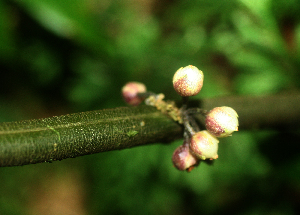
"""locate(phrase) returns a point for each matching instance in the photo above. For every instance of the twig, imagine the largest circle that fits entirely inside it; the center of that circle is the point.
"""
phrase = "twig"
(68, 136)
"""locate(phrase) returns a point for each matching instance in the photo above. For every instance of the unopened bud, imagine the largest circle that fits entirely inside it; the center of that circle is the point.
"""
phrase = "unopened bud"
(188, 81)
(204, 145)
(183, 159)
(130, 93)
(222, 121)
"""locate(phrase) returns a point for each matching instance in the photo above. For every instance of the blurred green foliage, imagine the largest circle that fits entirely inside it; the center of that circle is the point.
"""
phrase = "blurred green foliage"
(58, 57)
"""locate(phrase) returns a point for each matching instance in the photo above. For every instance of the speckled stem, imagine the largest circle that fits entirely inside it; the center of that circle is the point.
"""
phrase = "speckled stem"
(57, 138)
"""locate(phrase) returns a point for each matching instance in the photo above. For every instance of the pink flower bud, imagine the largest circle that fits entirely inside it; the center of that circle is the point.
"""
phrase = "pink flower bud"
(204, 145)
(188, 81)
(130, 92)
(183, 159)
(222, 121)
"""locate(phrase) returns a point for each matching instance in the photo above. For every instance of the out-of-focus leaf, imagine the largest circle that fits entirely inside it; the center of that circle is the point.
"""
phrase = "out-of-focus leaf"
(7, 41)
(261, 81)
(43, 63)
(91, 83)
(71, 19)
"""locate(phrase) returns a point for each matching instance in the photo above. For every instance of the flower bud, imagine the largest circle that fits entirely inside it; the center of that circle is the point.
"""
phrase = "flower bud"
(204, 145)
(188, 81)
(222, 121)
(183, 159)
(130, 92)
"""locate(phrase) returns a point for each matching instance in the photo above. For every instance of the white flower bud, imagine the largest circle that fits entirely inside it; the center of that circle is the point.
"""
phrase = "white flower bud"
(222, 121)
(188, 81)
(204, 145)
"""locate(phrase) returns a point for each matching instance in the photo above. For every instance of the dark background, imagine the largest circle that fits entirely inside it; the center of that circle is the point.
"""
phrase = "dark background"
(60, 57)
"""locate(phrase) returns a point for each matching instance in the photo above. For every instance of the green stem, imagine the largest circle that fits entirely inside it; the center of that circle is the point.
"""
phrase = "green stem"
(281, 111)
(57, 138)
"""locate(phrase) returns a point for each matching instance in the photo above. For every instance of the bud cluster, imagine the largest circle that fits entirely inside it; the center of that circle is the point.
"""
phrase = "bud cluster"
(198, 144)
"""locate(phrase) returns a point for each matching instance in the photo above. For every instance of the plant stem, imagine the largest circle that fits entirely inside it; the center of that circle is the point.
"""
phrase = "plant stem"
(280, 111)
(57, 138)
